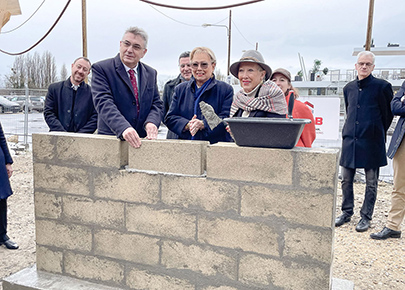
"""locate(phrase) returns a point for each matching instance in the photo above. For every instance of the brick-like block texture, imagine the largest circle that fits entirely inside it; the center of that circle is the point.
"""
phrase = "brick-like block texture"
(81, 149)
(200, 193)
(300, 206)
(180, 156)
(228, 161)
(257, 218)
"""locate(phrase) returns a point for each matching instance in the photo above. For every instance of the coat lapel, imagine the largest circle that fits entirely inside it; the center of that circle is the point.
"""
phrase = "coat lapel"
(119, 67)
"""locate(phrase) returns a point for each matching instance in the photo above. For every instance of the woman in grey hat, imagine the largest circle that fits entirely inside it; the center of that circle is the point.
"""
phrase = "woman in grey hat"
(259, 97)
(282, 78)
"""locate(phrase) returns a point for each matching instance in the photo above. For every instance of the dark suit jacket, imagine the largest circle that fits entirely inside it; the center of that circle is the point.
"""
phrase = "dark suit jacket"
(5, 158)
(58, 106)
(114, 98)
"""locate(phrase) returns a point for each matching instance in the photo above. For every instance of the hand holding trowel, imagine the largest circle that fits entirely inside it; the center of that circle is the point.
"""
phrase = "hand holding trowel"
(212, 118)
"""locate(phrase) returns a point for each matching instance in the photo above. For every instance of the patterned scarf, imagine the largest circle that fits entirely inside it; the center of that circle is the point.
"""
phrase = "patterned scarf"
(269, 99)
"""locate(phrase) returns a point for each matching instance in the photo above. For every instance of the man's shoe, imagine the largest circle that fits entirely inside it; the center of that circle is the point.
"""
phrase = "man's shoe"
(385, 234)
(10, 244)
(363, 225)
(342, 219)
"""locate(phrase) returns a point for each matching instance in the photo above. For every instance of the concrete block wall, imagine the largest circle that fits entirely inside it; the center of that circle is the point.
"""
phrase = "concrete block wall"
(183, 215)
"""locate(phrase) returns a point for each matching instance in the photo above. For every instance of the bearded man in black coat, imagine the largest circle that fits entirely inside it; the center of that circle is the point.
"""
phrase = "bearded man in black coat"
(368, 117)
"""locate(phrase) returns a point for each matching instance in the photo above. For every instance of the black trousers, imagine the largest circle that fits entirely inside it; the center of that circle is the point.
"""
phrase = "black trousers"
(3, 220)
(370, 195)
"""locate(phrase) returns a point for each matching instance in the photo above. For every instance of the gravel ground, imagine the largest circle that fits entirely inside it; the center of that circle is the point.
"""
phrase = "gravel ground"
(370, 264)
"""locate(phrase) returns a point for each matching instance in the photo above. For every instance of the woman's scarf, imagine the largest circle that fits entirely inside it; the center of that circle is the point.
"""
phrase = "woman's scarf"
(269, 99)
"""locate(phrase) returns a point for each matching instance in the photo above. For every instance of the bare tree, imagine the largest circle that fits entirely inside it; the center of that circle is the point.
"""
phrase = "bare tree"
(35, 70)
(63, 73)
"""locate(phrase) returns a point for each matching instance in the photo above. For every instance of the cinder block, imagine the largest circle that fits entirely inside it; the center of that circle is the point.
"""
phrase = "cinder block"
(94, 268)
(127, 186)
(259, 271)
(303, 207)
(91, 150)
(200, 193)
(129, 247)
(61, 179)
(265, 165)
(141, 279)
(103, 213)
(49, 260)
(43, 147)
(165, 223)
(198, 259)
(309, 244)
(47, 205)
(172, 156)
(72, 237)
(250, 237)
(317, 168)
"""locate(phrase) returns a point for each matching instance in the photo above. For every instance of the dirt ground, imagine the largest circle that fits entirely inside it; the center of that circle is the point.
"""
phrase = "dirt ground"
(370, 264)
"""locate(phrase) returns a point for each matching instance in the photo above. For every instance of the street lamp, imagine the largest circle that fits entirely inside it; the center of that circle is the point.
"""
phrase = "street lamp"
(228, 30)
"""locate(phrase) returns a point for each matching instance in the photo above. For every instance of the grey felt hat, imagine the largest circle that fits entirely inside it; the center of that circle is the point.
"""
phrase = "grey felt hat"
(282, 71)
(251, 56)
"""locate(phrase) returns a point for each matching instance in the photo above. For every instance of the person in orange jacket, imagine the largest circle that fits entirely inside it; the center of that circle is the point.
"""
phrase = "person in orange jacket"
(282, 78)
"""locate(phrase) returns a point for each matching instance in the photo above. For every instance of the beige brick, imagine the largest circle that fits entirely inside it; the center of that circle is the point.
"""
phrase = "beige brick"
(165, 223)
(302, 207)
(140, 279)
(91, 150)
(126, 186)
(48, 260)
(309, 243)
(72, 237)
(265, 165)
(258, 271)
(201, 193)
(172, 156)
(90, 267)
(43, 147)
(318, 168)
(128, 247)
(251, 237)
(61, 179)
(99, 212)
(47, 205)
(198, 259)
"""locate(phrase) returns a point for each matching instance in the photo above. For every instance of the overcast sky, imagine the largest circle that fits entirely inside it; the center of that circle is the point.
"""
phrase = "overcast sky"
(317, 29)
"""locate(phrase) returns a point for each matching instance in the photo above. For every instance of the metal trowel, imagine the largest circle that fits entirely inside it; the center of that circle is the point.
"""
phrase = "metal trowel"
(212, 118)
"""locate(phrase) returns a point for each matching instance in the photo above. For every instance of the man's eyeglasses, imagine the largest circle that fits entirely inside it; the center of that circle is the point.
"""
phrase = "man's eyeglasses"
(368, 64)
(203, 65)
(136, 47)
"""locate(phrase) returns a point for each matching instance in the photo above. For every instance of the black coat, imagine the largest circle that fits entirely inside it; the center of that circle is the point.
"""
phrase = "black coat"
(58, 107)
(368, 117)
(5, 158)
(168, 92)
(397, 108)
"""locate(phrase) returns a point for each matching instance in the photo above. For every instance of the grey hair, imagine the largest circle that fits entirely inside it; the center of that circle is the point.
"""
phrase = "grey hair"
(184, 54)
(202, 49)
(366, 53)
(84, 58)
(138, 31)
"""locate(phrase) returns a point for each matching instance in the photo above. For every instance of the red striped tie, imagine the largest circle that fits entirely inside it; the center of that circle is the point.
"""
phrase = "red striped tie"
(135, 87)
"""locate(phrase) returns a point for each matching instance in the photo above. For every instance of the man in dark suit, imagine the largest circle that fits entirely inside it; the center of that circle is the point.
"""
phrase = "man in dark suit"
(125, 92)
(368, 117)
(69, 104)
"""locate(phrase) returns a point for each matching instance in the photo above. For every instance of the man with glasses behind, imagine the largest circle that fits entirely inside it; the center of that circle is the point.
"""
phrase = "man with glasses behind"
(125, 92)
(185, 75)
(368, 117)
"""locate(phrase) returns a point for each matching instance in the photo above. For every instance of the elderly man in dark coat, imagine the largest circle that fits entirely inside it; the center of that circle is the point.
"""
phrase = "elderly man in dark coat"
(368, 117)
(168, 90)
